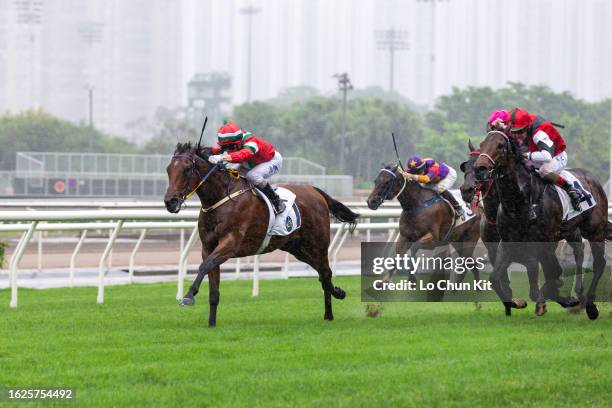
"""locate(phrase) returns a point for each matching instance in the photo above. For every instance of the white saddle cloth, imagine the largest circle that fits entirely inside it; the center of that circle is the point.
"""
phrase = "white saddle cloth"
(586, 202)
(284, 223)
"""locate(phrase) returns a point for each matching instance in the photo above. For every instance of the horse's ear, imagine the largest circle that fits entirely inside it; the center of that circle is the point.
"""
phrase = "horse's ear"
(471, 146)
(462, 166)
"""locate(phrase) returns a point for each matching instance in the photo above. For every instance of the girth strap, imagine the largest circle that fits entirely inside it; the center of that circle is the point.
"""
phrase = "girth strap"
(226, 199)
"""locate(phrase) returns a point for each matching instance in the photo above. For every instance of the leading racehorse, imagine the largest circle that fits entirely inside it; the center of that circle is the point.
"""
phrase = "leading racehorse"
(233, 222)
(501, 162)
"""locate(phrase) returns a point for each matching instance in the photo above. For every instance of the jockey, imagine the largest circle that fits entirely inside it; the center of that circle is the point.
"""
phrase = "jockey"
(436, 174)
(498, 120)
(257, 158)
(546, 148)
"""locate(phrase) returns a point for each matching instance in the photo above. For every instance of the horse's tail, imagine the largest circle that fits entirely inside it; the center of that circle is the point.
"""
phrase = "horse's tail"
(609, 231)
(339, 210)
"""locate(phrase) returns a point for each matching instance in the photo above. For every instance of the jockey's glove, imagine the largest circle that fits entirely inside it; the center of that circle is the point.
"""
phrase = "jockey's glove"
(215, 158)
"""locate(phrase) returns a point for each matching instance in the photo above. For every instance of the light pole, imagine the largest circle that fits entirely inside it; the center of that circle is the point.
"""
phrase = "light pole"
(392, 40)
(344, 85)
(29, 12)
(249, 11)
(610, 179)
(432, 56)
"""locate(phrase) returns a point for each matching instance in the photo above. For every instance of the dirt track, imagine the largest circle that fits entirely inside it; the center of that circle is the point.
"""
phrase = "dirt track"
(156, 250)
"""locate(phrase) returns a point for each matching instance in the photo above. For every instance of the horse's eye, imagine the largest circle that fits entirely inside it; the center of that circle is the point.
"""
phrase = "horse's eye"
(501, 146)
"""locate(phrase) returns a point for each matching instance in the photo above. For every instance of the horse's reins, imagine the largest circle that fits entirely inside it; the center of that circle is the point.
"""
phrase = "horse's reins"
(390, 187)
(194, 170)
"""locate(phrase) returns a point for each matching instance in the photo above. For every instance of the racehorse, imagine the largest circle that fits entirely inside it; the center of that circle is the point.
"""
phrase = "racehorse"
(426, 220)
(233, 222)
(474, 192)
(500, 161)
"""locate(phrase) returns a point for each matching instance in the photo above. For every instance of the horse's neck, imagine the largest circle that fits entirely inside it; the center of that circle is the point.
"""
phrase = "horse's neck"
(413, 195)
(218, 186)
(512, 197)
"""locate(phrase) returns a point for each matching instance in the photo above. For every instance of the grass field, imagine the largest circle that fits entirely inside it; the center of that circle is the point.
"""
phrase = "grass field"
(140, 349)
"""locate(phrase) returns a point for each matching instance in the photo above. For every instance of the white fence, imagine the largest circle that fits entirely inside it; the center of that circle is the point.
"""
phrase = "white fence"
(28, 222)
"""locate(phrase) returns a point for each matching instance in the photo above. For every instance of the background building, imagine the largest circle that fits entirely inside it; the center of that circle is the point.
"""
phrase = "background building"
(139, 55)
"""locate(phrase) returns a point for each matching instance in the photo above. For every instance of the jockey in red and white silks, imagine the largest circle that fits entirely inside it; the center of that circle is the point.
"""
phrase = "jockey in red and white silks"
(258, 159)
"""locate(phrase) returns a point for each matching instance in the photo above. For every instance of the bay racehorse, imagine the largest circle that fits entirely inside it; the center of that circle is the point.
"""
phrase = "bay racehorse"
(426, 220)
(501, 161)
(475, 193)
(233, 222)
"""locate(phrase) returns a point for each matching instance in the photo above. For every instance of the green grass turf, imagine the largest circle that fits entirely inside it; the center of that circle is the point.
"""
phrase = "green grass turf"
(141, 349)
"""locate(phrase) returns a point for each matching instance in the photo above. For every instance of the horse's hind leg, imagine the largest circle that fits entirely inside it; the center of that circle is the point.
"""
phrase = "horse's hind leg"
(599, 264)
(321, 264)
(578, 250)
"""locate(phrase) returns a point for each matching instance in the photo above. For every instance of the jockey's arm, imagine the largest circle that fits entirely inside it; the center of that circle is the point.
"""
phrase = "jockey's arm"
(216, 149)
(242, 155)
(427, 177)
(546, 148)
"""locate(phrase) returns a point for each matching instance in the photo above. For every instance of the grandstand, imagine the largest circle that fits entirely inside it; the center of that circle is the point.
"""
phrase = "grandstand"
(130, 175)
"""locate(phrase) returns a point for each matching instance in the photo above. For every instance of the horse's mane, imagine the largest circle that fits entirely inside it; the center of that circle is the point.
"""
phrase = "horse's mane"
(203, 152)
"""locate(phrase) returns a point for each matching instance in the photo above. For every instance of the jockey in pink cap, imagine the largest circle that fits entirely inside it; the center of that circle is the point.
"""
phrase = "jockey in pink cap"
(498, 120)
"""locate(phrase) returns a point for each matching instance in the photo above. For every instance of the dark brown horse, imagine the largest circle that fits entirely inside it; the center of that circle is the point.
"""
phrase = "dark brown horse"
(426, 220)
(234, 221)
(500, 161)
(474, 192)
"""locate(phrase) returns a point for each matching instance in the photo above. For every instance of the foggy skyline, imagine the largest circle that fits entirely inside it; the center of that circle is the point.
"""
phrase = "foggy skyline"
(139, 55)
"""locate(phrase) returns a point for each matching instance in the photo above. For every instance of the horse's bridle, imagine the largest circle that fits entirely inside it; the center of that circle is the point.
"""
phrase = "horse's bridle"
(390, 187)
(185, 193)
(493, 173)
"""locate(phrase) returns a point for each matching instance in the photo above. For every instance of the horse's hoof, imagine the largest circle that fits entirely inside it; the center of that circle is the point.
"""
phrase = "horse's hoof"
(519, 303)
(570, 302)
(328, 318)
(187, 301)
(339, 293)
(541, 309)
(212, 325)
(591, 311)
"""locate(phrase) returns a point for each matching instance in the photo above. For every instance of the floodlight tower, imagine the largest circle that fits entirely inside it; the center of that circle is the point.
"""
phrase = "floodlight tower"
(392, 40)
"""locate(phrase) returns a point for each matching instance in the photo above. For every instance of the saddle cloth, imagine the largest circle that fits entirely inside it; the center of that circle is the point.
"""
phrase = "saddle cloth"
(586, 202)
(284, 223)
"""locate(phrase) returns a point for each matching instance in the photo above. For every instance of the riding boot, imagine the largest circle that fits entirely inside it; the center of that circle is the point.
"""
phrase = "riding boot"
(459, 213)
(573, 194)
(279, 205)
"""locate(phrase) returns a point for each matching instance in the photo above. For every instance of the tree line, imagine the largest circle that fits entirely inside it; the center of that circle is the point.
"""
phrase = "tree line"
(302, 123)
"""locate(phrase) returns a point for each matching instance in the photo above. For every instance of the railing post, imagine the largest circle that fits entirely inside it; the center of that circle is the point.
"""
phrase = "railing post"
(182, 266)
(74, 255)
(14, 264)
(134, 251)
(256, 276)
(40, 249)
(104, 258)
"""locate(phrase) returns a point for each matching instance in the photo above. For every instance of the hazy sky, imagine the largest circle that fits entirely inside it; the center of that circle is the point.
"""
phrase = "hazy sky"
(139, 54)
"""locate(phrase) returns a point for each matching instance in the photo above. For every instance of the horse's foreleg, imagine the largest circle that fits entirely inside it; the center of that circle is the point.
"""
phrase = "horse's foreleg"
(214, 278)
(222, 252)
(499, 277)
(535, 294)
(402, 246)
